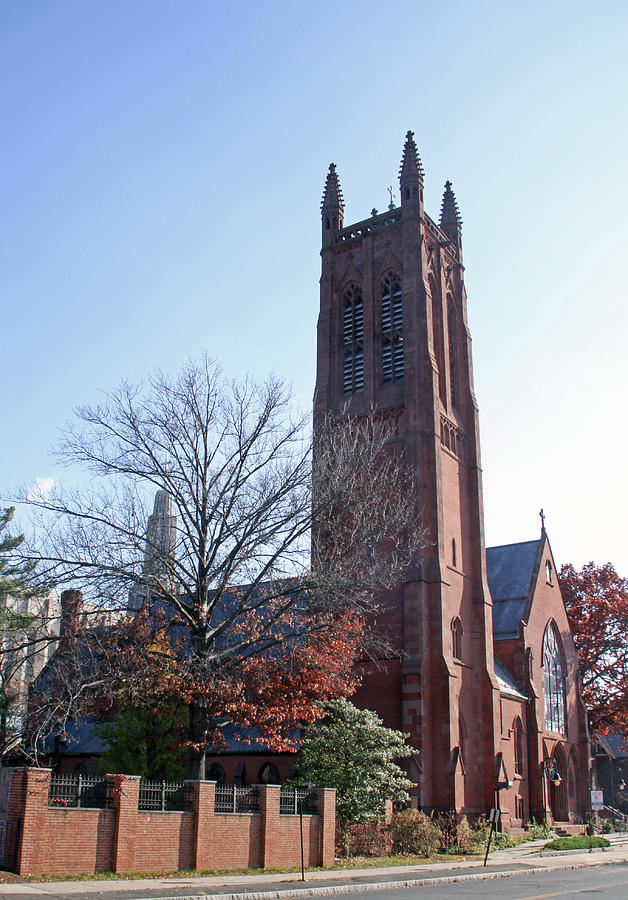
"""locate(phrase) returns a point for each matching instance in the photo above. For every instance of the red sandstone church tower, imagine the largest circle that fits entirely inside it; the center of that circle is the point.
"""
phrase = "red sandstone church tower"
(393, 335)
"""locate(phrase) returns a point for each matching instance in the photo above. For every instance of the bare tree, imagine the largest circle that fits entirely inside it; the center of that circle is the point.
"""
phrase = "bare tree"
(261, 540)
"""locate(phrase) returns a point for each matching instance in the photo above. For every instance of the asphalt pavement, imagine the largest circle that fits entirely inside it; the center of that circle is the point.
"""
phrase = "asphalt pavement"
(524, 859)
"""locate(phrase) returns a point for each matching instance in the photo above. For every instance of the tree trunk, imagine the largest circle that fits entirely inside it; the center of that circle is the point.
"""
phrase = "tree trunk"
(196, 735)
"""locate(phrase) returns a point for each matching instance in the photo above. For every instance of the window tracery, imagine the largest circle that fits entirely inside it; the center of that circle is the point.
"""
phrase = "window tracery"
(554, 682)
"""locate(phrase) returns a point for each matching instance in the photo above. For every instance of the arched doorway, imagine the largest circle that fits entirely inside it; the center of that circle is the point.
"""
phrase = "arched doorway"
(557, 784)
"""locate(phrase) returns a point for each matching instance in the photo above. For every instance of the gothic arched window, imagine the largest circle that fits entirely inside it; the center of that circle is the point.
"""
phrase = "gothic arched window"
(352, 340)
(451, 330)
(437, 333)
(392, 328)
(216, 773)
(553, 682)
(268, 774)
(517, 731)
(456, 638)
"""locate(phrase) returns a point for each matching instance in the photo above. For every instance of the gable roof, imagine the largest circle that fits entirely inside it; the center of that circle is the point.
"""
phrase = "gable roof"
(510, 569)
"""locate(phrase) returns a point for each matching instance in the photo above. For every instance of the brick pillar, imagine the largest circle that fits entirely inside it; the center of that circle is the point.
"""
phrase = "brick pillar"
(203, 799)
(34, 790)
(126, 790)
(326, 806)
(271, 829)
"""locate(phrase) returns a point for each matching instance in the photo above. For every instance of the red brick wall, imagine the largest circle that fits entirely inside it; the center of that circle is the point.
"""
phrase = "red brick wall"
(59, 841)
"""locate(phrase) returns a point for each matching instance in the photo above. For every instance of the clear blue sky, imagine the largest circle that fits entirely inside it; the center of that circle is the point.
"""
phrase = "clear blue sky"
(162, 169)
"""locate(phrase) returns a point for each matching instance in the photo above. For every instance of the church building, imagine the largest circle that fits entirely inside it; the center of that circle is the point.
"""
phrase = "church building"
(483, 670)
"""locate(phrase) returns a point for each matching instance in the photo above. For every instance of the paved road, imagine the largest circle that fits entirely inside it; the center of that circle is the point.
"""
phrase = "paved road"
(599, 883)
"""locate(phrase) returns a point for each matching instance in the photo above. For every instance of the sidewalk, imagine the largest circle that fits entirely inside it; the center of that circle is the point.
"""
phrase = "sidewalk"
(501, 863)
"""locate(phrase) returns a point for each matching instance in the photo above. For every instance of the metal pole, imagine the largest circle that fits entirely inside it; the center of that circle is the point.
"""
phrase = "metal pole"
(301, 831)
(493, 827)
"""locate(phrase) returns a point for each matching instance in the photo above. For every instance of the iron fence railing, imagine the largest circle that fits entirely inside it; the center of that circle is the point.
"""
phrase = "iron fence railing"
(163, 796)
(79, 792)
(233, 799)
(291, 798)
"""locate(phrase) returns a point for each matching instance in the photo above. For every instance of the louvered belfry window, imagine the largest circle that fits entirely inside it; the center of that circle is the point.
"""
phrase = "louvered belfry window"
(392, 328)
(352, 340)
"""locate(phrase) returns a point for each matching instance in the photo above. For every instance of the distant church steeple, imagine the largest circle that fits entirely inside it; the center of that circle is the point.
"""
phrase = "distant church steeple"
(161, 538)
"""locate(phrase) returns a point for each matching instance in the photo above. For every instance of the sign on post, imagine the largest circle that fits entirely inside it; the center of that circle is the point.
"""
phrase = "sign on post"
(597, 799)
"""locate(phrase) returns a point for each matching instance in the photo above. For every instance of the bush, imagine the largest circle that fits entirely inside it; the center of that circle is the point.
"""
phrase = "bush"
(579, 842)
(538, 830)
(357, 839)
(414, 832)
(447, 823)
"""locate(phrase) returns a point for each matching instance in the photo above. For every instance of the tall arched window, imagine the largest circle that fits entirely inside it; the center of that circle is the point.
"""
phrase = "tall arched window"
(352, 340)
(553, 681)
(462, 738)
(456, 638)
(517, 733)
(451, 331)
(392, 328)
(437, 332)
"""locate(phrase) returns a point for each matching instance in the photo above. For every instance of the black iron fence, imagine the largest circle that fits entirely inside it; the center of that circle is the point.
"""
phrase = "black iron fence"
(164, 796)
(233, 799)
(295, 800)
(79, 792)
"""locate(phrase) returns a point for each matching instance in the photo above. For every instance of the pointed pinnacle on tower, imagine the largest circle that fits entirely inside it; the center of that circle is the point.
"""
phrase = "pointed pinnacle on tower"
(332, 195)
(411, 167)
(332, 207)
(450, 221)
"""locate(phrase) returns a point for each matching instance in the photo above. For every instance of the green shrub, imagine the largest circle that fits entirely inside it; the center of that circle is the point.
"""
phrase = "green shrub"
(538, 830)
(579, 842)
(414, 832)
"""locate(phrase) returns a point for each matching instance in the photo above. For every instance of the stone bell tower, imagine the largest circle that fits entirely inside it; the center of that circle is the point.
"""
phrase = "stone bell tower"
(393, 335)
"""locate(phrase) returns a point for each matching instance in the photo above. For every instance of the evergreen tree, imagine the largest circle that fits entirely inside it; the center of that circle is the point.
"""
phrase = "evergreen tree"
(353, 752)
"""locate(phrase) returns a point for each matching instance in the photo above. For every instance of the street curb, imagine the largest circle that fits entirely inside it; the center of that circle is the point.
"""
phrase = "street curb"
(328, 891)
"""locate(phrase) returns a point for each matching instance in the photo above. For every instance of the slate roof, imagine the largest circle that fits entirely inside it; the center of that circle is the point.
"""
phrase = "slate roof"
(507, 684)
(82, 736)
(510, 568)
(616, 744)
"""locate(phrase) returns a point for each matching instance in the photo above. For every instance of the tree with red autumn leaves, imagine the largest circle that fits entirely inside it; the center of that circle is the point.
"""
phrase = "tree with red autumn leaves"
(270, 558)
(596, 599)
